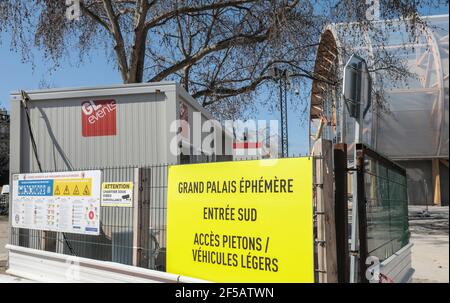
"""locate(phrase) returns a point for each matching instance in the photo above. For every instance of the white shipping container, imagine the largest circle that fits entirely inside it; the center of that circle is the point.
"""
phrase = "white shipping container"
(113, 126)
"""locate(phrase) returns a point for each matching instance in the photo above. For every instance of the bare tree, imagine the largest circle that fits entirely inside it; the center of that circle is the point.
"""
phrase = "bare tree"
(221, 51)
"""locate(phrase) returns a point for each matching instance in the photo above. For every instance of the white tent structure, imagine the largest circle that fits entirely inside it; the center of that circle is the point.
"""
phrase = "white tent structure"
(409, 121)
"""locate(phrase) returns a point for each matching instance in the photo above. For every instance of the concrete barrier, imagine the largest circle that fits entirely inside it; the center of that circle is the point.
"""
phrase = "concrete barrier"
(397, 268)
(44, 266)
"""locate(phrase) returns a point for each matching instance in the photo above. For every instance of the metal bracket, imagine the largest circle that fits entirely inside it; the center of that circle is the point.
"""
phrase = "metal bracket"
(320, 242)
(354, 253)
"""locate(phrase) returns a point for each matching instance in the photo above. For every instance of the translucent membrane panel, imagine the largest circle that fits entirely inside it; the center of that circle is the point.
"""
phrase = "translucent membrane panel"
(413, 119)
(412, 131)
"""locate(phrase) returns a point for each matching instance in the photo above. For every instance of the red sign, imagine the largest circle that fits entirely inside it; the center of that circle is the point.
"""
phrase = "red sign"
(246, 145)
(98, 118)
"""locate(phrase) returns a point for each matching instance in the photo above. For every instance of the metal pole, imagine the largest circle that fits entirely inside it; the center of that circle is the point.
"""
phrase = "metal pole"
(355, 216)
(362, 219)
(355, 235)
(341, 211)
(426, 213)
(281, 113)
(286, 138)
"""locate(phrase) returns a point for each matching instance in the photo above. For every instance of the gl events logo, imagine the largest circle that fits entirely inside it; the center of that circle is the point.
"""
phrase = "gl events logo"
(98, 118)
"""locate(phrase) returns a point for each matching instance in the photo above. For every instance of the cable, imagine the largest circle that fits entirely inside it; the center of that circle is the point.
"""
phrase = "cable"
(68, 244)
(25, 99)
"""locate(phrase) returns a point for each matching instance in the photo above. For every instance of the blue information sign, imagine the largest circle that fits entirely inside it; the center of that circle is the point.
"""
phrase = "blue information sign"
(35, 188)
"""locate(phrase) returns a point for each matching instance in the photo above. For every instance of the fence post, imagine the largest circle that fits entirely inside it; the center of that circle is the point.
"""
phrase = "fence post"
(362, 218)
(341, 212)
(141, 216)
(325, 210)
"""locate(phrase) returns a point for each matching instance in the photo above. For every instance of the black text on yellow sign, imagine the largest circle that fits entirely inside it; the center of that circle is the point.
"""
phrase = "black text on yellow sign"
(117, 194)
(72, 187)
(248, 221)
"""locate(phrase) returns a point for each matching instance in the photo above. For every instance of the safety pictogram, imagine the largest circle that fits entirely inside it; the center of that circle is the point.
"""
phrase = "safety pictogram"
(73, 187)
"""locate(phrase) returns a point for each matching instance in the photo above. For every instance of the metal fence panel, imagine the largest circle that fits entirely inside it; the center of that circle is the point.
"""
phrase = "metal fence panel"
(382, 193)
(115, 242)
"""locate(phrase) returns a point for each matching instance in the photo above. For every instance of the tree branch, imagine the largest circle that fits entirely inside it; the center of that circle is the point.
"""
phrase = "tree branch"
(192, 9)
(94, 17)
(190, 60)
(137, 57)
(119, 48)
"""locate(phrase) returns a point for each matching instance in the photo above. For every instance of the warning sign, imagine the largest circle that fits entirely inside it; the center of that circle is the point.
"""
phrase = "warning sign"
(247, 221)
(57, 201)
(117, 194)
(86, 191)
(71, 187)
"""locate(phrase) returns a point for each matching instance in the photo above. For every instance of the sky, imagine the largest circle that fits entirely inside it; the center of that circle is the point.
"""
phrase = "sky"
(16, 74)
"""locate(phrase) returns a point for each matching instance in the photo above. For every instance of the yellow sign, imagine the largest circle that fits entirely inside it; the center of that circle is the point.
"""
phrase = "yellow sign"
(118, 194)
(72, 187)
(247, 221)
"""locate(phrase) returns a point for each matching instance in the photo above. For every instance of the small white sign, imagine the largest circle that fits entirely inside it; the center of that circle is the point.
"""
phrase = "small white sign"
(118, 194)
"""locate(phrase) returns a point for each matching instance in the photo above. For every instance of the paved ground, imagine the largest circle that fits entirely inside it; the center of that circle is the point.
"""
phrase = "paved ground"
(3, 241)
(429, 234)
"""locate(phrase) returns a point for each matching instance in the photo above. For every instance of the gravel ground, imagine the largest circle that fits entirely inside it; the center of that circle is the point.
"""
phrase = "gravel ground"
(429, 234)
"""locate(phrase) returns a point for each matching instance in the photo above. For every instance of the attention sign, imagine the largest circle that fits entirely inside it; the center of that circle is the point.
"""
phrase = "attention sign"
(118, 194)
(98, 118)
(246, 221)
(60, 201)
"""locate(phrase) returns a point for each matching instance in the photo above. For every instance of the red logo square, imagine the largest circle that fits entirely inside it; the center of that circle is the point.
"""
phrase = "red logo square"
(98, 118)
